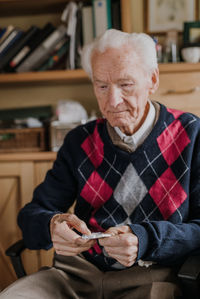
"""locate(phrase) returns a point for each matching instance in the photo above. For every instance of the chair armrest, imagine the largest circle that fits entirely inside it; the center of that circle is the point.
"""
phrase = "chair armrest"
(14, 252)
(189, 275)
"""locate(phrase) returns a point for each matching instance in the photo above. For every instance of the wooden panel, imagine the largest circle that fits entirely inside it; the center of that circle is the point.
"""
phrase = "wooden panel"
(180, 91)
(178, 67)
(40, 170)
(30, 258)
(21, 157)
(16, 185)
(9, 207)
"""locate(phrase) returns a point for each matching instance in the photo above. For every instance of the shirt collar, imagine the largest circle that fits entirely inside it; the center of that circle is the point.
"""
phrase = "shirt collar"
(143, 131)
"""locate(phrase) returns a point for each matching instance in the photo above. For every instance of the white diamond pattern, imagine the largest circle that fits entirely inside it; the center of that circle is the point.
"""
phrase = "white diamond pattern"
(130, 190)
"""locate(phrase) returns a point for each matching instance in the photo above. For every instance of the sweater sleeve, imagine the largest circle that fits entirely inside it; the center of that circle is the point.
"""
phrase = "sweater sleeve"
(168, 243)
(55, 195)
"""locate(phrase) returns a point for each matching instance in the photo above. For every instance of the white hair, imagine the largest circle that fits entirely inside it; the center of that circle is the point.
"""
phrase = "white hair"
(142, 44)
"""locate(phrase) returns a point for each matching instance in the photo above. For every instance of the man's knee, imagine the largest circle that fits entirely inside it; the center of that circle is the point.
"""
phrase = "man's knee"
(165, 290)
(48, 283)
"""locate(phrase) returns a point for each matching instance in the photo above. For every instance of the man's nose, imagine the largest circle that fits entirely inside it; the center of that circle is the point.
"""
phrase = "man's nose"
(114, 96)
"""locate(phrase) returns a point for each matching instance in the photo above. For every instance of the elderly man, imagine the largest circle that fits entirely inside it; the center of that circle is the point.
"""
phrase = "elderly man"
(134, 175)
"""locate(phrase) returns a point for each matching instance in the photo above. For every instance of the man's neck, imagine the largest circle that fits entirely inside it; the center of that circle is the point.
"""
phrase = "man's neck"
(131, 130)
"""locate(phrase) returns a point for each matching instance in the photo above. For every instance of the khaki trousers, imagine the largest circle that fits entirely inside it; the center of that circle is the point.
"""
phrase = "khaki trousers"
(76, 278)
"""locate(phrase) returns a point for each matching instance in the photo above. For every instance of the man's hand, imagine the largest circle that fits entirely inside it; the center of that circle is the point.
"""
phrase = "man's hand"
(65, 240)
(122, 246)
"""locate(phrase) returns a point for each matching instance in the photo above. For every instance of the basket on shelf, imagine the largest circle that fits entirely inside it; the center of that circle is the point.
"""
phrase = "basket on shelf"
(22, 140)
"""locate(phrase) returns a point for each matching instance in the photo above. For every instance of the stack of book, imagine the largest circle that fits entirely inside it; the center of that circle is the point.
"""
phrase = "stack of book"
(50, 48)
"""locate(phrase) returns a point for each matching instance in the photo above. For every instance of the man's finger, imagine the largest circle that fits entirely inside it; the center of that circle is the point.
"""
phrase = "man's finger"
(82, 242)
(120, 240)
(63, 231)
(78, 224)
(71, 249)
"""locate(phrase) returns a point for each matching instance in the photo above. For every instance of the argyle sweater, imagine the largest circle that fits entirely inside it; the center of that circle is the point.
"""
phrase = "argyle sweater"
(155, 189)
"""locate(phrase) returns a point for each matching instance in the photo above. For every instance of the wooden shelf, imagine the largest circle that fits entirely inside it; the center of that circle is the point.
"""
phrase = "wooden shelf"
(24, 7)
(32, 156)
(79, 76)
(70, 76)
(179, 67)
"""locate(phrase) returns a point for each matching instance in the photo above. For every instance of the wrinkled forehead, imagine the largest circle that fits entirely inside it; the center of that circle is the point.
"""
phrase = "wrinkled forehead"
(112, 56)
(121, 61)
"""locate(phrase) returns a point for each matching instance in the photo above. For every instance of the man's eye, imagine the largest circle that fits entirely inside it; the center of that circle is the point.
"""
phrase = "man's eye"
(127, 85)
(103, 86)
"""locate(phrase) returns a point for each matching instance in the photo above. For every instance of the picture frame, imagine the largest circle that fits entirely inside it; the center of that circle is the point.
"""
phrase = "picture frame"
(164, 15)
(191, 33)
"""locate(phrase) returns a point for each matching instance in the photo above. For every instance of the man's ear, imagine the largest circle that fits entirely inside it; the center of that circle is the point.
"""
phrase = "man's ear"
(154, 81)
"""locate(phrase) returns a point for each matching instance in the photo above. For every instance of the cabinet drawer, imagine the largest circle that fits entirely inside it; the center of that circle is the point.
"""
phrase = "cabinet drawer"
(180, 91)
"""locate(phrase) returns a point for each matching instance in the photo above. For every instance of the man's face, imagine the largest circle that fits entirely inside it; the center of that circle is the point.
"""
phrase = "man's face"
(121, 87)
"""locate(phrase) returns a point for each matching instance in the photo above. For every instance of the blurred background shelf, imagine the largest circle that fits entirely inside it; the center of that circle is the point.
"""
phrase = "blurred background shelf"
(79, 75)
(67, 76)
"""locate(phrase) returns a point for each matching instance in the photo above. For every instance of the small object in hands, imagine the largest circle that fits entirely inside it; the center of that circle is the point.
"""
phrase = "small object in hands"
(95, 236)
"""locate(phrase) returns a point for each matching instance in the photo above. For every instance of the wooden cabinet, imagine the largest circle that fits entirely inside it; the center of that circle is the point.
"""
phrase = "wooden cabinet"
(179, 86)
(19, 174)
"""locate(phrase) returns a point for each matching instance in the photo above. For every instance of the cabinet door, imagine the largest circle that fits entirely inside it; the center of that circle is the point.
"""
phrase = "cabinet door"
(16, 185)
(180, 90)
(17, 182)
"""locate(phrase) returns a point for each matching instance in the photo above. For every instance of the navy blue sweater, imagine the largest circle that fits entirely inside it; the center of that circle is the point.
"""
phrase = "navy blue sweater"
(155, 189)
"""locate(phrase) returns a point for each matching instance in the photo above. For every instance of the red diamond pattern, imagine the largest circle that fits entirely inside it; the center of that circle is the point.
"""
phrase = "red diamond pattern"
(167, 193)
(170, 147)
(94, 148)
(96, 191)
(176, 113)
(94, 226)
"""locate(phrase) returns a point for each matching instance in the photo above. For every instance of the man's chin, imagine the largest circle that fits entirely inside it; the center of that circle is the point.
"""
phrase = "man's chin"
(117, 123)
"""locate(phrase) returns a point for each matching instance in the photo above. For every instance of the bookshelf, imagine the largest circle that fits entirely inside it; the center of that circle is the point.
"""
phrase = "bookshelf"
(21, 8)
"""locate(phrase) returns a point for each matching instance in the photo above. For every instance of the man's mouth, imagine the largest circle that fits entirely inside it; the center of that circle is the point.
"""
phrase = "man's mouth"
(121, 111)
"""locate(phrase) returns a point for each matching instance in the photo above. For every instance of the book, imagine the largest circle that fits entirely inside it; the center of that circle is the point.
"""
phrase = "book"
(31, 45)
(69, 17)
(19, 44)
(101, 16)
(40, 54)
(60, 52)
(7, 31)
(14, 35)
(2, 31)
(87, 24)
(116, 14)
(78, 36)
